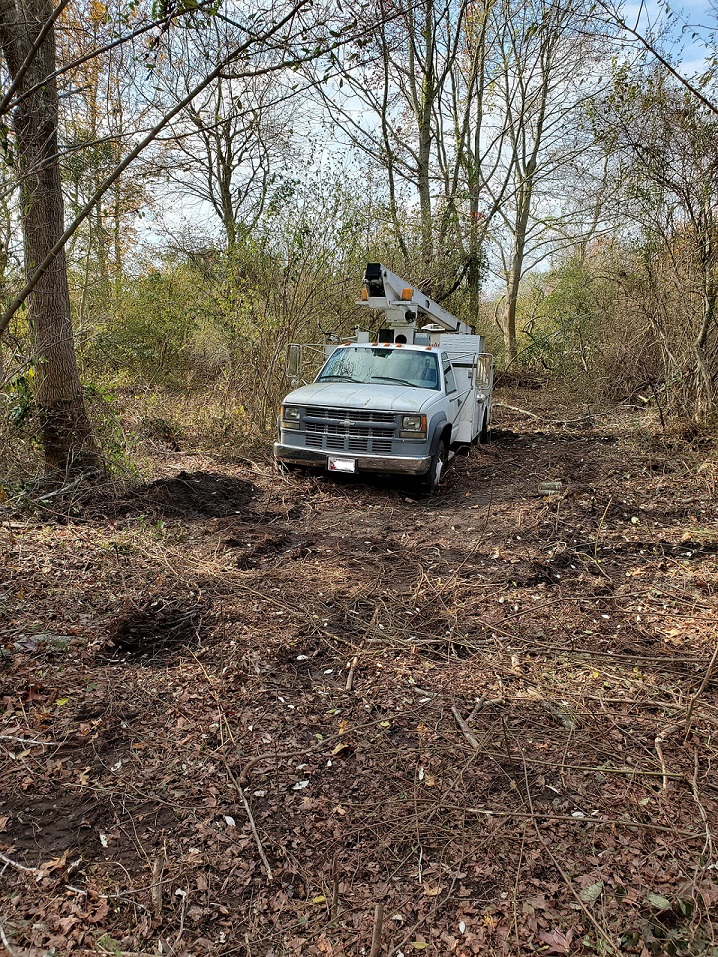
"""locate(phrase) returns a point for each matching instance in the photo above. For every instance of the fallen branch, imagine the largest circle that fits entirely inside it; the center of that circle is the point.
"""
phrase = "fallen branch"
(481, 704)
(708, 846)
(465, 729)
(532, 415)
(350, 676)
(334, 908)
(376, 933)
(512, 408)
(566, 720)
(706, 679)
(157, 888)
(567, 880)
(660, 738)
(253, 826)
(601, 769)
(19, 867)
(14, 737)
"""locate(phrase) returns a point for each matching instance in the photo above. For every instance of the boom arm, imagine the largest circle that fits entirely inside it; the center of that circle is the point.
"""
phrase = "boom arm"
(403, 303)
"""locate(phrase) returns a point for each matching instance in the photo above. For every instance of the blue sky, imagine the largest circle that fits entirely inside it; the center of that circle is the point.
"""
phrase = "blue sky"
(692, 36)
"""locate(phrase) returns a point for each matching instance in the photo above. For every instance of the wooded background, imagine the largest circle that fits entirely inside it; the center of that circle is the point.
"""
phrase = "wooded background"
(187, 187)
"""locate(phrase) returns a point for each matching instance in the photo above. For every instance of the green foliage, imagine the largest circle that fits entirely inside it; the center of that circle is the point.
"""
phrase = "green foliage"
(18, 399)
(567, 309)
(210, 316)
(151, 332)
(576, 325)
(117, 443)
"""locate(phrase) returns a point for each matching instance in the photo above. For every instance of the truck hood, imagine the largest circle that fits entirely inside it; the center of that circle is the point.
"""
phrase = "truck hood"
(375, 397)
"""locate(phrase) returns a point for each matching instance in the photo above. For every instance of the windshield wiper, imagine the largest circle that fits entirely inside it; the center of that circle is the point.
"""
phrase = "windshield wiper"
(391, 378)
(340, 378)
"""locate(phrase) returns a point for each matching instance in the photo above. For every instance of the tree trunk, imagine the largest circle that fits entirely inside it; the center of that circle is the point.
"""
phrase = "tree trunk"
(513, 285)
(67, 436)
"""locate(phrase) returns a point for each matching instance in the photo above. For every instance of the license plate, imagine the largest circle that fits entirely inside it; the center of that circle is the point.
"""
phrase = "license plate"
(341, 465)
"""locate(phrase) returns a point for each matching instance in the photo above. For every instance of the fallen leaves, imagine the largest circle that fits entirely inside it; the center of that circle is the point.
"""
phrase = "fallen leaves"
(556, 941)
(364, 797)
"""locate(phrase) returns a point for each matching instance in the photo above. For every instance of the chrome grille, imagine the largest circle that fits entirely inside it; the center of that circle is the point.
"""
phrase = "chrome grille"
(368, 416)
(356, 444)
(352, 431)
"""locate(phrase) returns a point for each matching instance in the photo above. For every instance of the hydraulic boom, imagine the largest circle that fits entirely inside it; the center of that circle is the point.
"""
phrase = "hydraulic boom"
(403, 304)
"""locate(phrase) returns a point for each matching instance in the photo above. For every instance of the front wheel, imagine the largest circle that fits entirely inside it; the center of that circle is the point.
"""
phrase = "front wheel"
(431, 481)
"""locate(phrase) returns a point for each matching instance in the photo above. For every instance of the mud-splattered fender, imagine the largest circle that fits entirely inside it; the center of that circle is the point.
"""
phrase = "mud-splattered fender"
(436, 426)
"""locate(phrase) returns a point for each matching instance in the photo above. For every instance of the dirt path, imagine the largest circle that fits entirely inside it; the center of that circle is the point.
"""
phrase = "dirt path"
(239, 711)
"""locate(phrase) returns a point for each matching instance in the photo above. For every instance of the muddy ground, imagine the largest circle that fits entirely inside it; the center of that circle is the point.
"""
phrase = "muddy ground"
(252, 714)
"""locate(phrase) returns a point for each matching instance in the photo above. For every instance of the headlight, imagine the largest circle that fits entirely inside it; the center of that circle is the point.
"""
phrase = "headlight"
(290, 417)
(413, 423)
(413, 427)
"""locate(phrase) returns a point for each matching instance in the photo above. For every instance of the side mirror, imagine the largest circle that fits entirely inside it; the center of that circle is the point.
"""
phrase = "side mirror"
(294, 361)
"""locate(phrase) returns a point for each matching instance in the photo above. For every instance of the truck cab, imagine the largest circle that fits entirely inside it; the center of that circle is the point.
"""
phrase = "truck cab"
(401, 404)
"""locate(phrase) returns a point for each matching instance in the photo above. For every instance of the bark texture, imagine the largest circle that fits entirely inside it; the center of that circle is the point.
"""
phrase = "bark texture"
(68, 441)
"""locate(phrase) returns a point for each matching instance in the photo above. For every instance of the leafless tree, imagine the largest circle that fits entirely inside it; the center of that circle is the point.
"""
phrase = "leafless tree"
(230, 147)
(418, 109)
(551, 53)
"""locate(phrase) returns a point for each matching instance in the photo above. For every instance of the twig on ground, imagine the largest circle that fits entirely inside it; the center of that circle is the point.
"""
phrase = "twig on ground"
(423, 691)
(532, 415)
(706, 679)
(708, 846)
(6, 943)
(660, 738)
(333, 910)
(180, 932)
(14, 737)
(567, 880)
(157, 888)
(350, 676)
(465, 729)
(598, 531)
(566, 720)
(253, 826)
(376, 932)
(19, 867)
(514, 900)
(513, 408)
(569, 819)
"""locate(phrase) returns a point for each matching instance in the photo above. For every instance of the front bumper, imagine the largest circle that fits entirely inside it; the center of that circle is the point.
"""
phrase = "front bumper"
(314, 458)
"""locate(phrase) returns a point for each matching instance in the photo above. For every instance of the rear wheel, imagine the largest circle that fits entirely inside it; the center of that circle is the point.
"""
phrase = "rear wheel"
(431, 481)
(484, 435)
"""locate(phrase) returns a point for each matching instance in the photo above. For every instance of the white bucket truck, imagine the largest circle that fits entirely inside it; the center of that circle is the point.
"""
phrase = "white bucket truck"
(400, 401)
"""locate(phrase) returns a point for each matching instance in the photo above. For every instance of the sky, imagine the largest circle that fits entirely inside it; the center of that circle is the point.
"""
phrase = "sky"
(692, 34)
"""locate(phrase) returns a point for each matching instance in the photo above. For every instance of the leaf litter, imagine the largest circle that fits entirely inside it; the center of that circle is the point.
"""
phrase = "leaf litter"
(203, 677)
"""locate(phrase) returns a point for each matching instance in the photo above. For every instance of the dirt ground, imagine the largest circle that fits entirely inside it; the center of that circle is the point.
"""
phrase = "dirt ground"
(251, 714)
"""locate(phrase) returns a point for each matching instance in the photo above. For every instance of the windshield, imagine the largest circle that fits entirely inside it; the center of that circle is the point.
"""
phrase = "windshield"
(385, 366)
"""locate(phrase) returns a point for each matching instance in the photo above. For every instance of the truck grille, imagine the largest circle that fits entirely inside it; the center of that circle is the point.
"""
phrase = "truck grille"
(363, 416)
(343, 441)
(354, 431)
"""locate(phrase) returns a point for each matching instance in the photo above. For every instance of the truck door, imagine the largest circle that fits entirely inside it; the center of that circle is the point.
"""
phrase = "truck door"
(452, 393)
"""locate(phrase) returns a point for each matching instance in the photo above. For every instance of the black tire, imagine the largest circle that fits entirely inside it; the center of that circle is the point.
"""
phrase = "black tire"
(432, 480)
(484, 434)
